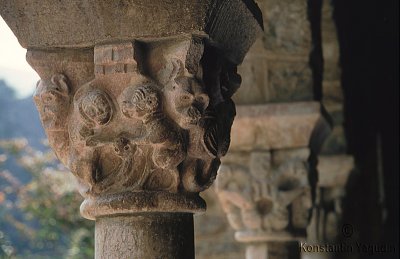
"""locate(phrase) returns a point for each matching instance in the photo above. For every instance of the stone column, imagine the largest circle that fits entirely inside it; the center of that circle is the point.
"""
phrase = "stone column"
(135, 98)
(264, 182)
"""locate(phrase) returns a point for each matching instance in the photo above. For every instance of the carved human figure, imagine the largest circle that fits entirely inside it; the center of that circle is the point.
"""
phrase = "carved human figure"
(96, 110)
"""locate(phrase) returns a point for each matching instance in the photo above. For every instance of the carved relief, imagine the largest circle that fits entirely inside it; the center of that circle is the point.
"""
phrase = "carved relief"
(146, 128)
(52, 98)
(95, 108)
(144, 103)
(269, 196)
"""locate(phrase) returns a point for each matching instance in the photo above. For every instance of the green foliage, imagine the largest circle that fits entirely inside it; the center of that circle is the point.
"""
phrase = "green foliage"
(50, 205)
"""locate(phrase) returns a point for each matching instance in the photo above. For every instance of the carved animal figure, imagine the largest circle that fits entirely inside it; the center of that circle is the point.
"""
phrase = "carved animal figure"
(52, 99)
(144, 103)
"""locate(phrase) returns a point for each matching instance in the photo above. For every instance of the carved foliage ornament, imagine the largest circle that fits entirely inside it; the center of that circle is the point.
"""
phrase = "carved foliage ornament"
(147, 121)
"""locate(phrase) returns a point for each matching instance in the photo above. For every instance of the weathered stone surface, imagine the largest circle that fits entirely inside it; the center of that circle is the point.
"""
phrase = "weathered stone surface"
(274, 126)
(141, 202)
(287, 27)
(290, 81)
(258, 195)
(274, 79)
(255, 78)
(263, 183)
(265, 187)
(49, 24)
(149, 235)
(147, 121)
(277, 66)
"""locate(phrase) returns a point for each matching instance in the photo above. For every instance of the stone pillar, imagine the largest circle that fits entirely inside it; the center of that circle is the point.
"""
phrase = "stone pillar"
(264, 182)
(135, 98)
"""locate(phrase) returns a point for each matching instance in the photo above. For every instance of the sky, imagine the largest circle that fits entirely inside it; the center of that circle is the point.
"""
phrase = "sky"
(13, 66)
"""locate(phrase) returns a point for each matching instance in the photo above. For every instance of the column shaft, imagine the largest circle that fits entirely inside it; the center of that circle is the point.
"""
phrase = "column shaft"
(145, 235)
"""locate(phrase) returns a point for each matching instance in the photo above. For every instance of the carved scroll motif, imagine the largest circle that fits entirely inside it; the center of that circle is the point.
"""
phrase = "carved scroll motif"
(142, 124)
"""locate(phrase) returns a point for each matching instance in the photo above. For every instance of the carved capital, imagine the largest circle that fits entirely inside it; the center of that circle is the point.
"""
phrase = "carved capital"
(264, 182)
(150, 125)
(269, 198)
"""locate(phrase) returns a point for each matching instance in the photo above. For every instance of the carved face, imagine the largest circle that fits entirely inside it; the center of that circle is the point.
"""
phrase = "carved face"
(96, 107)
(190, 100)
(140, 101)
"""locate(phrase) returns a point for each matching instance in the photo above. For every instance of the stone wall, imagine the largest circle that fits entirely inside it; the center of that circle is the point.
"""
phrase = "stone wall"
(276, 69)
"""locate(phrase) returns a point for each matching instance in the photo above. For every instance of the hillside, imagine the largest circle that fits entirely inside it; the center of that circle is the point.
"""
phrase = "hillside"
(18, 117)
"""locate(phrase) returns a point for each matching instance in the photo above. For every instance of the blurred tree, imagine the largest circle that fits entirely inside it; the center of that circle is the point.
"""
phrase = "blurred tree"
(50, 204)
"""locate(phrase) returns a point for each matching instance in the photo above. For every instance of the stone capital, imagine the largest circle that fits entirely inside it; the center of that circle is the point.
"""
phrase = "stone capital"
(138, 107)
(146, 130)
(264, 182)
